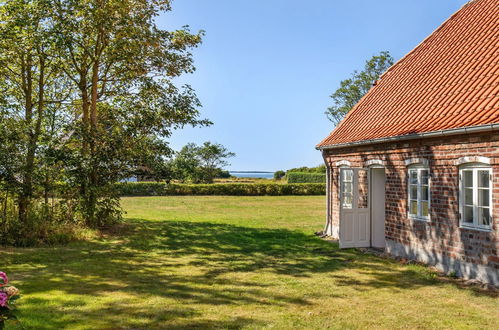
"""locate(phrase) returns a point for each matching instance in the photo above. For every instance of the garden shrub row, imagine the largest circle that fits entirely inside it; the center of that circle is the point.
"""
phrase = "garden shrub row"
(304, 177)
(234, 189)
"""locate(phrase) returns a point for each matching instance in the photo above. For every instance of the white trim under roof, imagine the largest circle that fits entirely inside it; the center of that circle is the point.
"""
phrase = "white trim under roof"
(446, 132)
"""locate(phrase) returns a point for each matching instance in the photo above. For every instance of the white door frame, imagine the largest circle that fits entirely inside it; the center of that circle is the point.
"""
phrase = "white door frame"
(355, 219)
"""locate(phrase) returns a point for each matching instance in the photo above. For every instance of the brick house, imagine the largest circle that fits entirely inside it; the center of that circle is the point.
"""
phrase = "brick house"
(414, 166)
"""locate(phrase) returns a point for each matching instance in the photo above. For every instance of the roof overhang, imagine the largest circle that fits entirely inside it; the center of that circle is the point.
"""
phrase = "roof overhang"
(415, 136)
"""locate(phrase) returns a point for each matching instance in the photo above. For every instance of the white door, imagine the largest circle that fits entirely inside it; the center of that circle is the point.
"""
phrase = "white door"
(355, 225)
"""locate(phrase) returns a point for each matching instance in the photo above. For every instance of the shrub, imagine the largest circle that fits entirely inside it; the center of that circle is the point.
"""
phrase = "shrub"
(319, 169)
(52, 224)
(303, 177)
(278, 175)
(234, 189)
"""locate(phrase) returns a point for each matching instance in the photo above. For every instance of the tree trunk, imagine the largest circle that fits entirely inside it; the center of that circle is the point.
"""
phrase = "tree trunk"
(33, 133)
(27, 86)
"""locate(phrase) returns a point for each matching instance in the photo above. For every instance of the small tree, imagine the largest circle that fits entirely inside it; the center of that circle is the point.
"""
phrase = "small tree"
(278, 175)
(200, 163)
(186, 163)
(352, 89)
(213, 157)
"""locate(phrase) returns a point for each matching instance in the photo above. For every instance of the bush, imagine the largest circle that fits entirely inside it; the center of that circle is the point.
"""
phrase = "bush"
(302, 177)
(318, 169)
(233, 189)
(278, 175)
(52, 224)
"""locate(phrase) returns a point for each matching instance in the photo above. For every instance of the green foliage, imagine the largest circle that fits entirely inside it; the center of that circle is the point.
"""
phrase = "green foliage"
(304, 177)
(232, 189)
(352, 89)
(318, 169)
(88, 96)
(53, 224)
(200, 164)
(278, 175)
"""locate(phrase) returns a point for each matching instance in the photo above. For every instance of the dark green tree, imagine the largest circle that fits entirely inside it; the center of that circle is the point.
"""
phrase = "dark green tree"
(126, 104)
(213, 157)
(278, 175)
(201, 164)
(32, 103)
(351, 90)
(186, 163)
(88, 96)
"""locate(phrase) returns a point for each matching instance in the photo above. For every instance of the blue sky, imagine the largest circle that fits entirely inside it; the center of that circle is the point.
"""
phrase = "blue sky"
(266, 68)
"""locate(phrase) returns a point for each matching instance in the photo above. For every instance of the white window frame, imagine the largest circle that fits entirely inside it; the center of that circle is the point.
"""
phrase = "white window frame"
(418, 168)
(342, 188)
(475, 168)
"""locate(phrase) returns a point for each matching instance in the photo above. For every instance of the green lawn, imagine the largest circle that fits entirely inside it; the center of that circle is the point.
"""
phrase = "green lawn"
(231, 262)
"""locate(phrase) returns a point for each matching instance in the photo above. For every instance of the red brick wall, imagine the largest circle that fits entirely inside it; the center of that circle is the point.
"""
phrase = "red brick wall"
(442, 234)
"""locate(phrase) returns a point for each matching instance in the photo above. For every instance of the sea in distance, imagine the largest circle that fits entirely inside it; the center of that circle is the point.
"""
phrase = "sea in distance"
(252, 174)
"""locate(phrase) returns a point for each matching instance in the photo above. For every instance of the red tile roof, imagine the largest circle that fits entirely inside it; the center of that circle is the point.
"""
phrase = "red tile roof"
(450, 80)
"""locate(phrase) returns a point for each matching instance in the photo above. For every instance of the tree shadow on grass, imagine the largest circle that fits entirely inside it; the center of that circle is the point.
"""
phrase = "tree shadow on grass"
(192, 265)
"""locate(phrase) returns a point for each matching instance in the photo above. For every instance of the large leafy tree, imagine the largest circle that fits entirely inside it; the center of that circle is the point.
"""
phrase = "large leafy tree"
(88, 96)
(122, 65)
(352, 89)
(33, 93)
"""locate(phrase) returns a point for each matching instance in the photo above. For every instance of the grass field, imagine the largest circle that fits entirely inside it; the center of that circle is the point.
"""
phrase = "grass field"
(231, 262)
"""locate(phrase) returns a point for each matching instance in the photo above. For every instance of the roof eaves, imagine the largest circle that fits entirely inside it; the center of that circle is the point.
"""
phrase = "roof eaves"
(447, 132)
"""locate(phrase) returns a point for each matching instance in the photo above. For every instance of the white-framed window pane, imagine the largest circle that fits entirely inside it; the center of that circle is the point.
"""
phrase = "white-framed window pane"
(413, 208)
(424, 177)
(484, 216)
(468, 214)
(419, 192)
(483, 179)
(483, 197)
(424, 209)
(347, 201)
(347, 187)
(468, 196)
(468, 179)
(475, 192)
(347, 176)
(413, 177)
(413, 192)
(425, 193)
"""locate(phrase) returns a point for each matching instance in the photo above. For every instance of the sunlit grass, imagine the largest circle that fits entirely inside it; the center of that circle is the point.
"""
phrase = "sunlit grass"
(231, 262)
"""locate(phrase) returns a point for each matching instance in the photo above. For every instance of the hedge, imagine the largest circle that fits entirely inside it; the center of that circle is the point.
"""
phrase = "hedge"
(234, 189)
(304, 177)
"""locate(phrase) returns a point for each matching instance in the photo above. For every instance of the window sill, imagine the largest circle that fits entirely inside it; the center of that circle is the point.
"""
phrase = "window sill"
(487, 230)
(413, 218)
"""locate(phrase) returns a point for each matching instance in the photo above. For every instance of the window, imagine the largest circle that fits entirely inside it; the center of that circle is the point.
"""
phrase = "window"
(419, 192)
(475, 196)
(346, 188)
